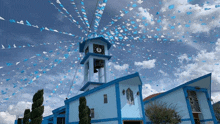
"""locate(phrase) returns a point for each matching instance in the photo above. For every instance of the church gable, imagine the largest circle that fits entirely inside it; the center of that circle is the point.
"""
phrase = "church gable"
(129, 91)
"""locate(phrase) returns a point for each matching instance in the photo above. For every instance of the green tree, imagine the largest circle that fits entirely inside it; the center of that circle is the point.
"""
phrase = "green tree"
(37, 108)
(26, 116)
(84, 112)
(19, 120)
(216, 109)
(159, 112)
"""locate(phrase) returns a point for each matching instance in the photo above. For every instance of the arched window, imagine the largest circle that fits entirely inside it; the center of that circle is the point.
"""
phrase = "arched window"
(129, 95)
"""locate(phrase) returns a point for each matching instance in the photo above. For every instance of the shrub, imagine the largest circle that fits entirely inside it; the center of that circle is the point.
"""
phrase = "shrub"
(159, 112)
(19, 120)
(84, 112)
(26, 116)
(217, 112)
(37, 108)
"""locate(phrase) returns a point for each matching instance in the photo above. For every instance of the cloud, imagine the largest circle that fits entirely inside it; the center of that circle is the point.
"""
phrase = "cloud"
(7, 118)
(183, 20)
(146, 64)
(162, 72)
(201, 64)
(147, 90)
(184, 57)
(14, 111)
(60, 17)
(143, 12)
(119, 67)
(19, 108)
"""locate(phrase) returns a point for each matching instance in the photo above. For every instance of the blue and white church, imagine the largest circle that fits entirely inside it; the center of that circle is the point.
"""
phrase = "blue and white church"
(120, 101)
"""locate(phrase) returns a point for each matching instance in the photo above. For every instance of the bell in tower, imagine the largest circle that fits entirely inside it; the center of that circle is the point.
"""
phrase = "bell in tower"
(98, 64)
(95, 59)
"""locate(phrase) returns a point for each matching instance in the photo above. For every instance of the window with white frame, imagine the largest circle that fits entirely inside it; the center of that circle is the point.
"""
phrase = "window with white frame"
(130, 97)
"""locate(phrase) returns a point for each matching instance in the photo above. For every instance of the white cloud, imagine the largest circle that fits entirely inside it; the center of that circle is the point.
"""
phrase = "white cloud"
(19, 108)
(184, 57)
(143, 12)
(119, 67)
(185, 19)
(14, 111)
(147, 90)
(201, 64)
(162, 72)
(7, 118)
(47, 111)
(146, 64)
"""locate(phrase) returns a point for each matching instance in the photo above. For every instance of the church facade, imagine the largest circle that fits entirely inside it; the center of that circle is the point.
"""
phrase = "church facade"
(120, 101)
(192, 100)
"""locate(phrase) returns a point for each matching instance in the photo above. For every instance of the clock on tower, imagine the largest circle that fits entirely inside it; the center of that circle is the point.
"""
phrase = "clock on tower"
(98, 49)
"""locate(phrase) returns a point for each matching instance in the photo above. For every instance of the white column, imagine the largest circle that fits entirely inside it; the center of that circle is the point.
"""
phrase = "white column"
(106, 49)
(85, 72)
(105, 70)
(102, 74)
(99, 75)
(90, 47)
(91, 68)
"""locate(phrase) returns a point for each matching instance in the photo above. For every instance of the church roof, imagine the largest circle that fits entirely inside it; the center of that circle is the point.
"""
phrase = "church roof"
(151, 96)
(103, 86)
(89, 83)
(82, 45)
(59, 109)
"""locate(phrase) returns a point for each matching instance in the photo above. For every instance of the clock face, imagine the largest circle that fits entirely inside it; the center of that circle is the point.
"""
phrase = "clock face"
(98, 49)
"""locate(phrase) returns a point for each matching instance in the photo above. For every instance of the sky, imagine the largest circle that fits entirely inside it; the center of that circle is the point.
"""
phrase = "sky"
(168, 42)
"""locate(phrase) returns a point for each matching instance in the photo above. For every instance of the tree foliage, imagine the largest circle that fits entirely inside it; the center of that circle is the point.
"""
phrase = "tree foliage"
(26, 116)
(217, 111)
(19, 120)
(84, 112)
(159, 112)
(37, 108)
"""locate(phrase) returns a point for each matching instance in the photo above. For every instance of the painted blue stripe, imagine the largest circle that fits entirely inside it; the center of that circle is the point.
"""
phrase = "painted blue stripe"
(186, 119)
(82, 45)
(59, 109)
(133, 119)
(206, 120)
(99, 120)
(61, 115)
(88, 83)
(210, 107)
(67, 114)
(118, 103)
(104, 120)
(55, 119)
(194, 89)
(142, 103)
(188, 106)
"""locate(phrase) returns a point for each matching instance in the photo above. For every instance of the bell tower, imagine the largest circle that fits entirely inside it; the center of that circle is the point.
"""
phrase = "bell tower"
(95, 61)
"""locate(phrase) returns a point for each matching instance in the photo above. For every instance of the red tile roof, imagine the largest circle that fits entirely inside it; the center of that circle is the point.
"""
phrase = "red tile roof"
(151, 96)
